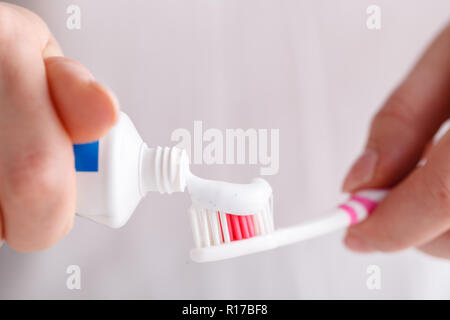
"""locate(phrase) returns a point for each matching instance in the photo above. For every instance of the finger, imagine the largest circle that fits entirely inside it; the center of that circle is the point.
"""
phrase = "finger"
(416, 211)
(407, 121)
(86, 108)
(439, 247)
(45, 40)
(37, 180)
(1, 227)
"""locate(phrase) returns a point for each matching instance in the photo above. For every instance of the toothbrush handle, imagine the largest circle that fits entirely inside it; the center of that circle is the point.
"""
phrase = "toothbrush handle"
(355, 210)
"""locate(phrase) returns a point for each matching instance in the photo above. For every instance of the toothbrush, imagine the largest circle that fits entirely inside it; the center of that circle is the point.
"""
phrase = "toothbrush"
(223, 228)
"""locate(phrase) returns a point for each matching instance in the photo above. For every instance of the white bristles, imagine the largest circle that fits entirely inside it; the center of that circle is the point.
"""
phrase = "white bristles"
(195, 227)
(226, 234)
(256, 224)
(265, 218)
(260, 222)
(264, 221)
(204, 227)
(211, 228)
(214, 227)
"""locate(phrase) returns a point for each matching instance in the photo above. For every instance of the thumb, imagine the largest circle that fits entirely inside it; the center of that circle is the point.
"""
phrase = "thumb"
(86, 108)
(408, 120)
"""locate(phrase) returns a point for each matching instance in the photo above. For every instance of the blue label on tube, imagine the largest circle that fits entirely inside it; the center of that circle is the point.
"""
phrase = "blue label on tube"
(86, 156)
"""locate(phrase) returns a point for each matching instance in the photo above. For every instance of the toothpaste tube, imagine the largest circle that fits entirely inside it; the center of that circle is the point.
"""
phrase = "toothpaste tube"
(116, 172)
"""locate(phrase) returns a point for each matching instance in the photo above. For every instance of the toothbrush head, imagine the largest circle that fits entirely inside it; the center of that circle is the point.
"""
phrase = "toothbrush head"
(225, 215)
(230, 220)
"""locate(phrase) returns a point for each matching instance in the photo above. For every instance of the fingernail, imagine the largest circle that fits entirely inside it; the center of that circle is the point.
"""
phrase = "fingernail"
(362, 171)
(356, 243)
(107, 91)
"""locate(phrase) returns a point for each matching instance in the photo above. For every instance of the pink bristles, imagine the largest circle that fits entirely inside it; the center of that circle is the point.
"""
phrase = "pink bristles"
(251, 226)
(244, 227)
(240, 227)
(230, 228)
(236, 228)
(213, 228)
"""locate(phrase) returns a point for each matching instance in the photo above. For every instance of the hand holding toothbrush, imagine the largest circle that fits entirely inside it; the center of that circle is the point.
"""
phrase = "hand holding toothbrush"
(416, 212)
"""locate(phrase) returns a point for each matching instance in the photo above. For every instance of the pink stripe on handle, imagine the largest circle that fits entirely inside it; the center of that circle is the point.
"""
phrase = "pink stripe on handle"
(369, 204)
(351, 212)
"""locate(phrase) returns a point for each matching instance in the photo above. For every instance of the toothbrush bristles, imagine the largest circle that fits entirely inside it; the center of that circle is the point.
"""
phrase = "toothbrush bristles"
(212, 228)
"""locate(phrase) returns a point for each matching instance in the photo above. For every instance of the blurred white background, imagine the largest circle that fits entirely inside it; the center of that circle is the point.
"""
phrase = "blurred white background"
(310, 68)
